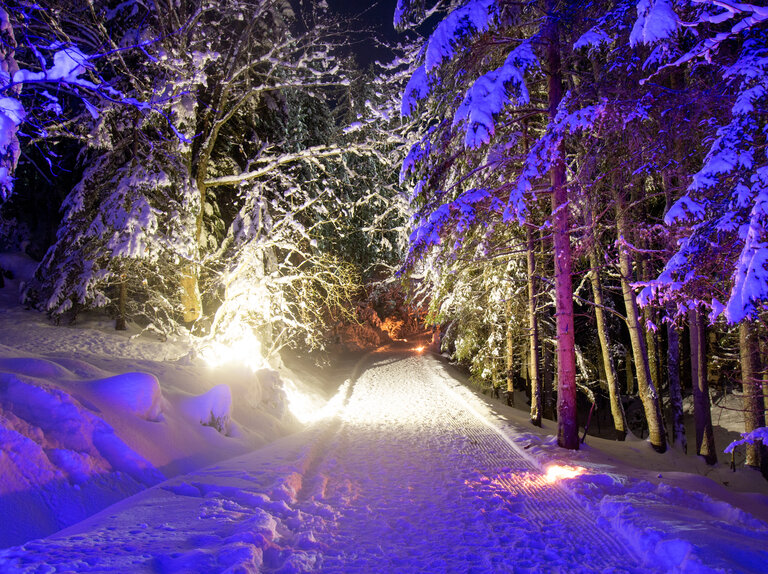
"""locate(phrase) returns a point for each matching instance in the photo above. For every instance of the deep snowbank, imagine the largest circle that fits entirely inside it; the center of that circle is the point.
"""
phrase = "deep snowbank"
(89, 416)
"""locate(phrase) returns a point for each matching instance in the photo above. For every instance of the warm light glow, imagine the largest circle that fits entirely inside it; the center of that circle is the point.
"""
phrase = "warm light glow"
(308, 409)
(557, 472)
(236, 346)
(305, 408)
(419, 349)
(239, 346)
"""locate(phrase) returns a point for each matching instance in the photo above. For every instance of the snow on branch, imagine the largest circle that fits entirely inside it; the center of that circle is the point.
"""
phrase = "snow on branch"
(272, 163)
(544, 152)
(474, 16)
(757, 435)
(417, 88)
(491, 92)
(656, 20)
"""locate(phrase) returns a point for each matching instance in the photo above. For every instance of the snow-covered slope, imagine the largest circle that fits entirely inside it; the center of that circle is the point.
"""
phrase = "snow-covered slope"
(89, 415)
(411, 473)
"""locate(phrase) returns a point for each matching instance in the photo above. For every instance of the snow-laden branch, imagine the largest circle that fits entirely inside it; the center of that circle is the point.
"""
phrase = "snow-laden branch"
(272, 163)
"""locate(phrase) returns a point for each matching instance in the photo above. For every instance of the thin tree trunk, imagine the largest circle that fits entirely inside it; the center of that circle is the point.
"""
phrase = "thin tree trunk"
(648, 393)
(652, 339)
(510, 352)
(754, 406)
(629, 373)
(8, 65)
(567, 423)
(614, 393)
(533, 326)
(675, 390)
(705, 438)
(122, 297)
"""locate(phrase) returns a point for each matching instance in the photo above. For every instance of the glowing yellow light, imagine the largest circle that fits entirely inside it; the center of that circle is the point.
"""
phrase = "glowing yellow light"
(239, 346)
(419, 349)
(308, 409)
(236, 346)
(305, 408)
(557, 472)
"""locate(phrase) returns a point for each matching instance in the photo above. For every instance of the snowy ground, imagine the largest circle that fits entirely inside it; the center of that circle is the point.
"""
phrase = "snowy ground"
(89, 416)
(410, 473)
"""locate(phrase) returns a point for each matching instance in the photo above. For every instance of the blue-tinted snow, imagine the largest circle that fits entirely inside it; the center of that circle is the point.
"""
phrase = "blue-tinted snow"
(473, 16)
(491, 92)
(656, 20)
(414, 474)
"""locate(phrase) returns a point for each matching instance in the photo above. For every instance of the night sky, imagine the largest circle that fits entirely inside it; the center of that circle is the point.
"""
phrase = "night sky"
(377, 17)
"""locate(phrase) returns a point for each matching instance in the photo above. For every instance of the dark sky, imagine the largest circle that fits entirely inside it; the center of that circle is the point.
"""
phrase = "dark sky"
(375, 15)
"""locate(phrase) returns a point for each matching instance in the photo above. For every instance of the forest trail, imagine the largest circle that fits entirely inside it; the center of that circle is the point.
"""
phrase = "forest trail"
(408, 475)
(418, 482)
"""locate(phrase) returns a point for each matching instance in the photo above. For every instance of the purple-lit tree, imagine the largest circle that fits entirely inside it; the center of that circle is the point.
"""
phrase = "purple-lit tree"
(501, 136)
(721, 264)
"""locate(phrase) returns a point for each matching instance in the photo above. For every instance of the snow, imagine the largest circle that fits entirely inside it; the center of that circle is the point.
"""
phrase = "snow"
(656, 20)
(68, 65)
(135, 393)
(473, 16)
(89, 416)
(404, 470)
(490, 93)
(412, 472)
(213, 409)
(757, 435)
(592, 38)
(416, 89)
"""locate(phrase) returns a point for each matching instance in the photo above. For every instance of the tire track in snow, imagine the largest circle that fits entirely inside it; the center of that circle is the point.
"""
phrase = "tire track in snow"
(415, 481)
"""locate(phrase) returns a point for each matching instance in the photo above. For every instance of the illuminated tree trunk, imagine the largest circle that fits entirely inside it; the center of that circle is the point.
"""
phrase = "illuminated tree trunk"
(754, 414)
(122, 297)
(648, 393)
(190, 294)
(9, 157)
(510, 354)
(629, 372)
(614, 393)
(533, 332)
(705, 438)
(675, 390)
(567, 425)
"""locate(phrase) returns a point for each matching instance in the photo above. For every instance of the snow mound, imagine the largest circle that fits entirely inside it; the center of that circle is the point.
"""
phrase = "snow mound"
(213, 409)
(53, 449)
(33, 367)
(135, 393)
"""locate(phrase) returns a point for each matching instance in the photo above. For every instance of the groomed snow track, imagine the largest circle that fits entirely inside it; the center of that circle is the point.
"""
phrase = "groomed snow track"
(417, 481)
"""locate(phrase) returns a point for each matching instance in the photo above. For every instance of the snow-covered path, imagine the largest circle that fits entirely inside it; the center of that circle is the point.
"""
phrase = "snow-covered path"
(419, 483)
(409, 476)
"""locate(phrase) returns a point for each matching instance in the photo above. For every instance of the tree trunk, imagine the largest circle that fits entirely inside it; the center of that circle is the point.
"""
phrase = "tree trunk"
(675, 390)
(567, 423)
(614, 393)
(8, 65)
(648, 393)
(651, 336)
(705, 438)
(190, 294)
(510, 352)
(122, 297)
(754, 406)
(533, 326)
(628, 372)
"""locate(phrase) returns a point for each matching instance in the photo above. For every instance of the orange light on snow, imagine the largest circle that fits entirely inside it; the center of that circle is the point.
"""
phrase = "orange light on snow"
(557, 472)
